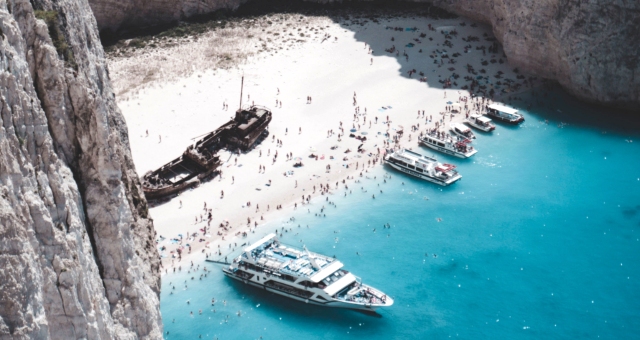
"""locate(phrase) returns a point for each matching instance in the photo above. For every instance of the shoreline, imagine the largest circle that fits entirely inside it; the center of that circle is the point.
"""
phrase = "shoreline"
(372, 90)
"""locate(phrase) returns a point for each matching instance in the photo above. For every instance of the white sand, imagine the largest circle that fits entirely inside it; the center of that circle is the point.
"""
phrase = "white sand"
(329, 72)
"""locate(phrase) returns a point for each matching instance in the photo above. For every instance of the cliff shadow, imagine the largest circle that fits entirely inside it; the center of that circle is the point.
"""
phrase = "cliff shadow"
(452, 53)
(432, 46)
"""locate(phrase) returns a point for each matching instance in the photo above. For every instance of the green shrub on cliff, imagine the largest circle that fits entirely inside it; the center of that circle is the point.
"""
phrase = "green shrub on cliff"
(57, 37)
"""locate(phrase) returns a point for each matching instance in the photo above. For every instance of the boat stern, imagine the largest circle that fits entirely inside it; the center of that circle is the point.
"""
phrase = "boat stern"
(453, 179)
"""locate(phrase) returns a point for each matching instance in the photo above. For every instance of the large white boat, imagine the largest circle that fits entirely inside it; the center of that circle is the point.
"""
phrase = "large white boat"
(304, 276)
(480, 122)
(462, 131)
(445, 144)
(423, 167)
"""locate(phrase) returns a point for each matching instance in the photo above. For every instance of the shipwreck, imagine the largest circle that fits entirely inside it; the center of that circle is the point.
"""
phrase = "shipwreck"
(200, 161)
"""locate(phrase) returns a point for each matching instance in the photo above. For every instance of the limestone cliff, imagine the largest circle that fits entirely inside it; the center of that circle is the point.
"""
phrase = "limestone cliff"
(590, 47)
(77, 255)
(116, 14)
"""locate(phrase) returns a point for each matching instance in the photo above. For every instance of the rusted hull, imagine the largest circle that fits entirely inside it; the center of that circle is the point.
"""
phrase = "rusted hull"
(152, 193)
(200, 160)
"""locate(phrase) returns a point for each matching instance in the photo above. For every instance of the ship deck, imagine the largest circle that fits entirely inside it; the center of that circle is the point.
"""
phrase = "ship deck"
(292, 261)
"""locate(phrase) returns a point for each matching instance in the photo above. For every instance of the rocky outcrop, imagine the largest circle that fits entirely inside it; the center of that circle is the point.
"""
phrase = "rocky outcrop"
(115, 14)
(589, 47)
(592, 48)
(77, 255)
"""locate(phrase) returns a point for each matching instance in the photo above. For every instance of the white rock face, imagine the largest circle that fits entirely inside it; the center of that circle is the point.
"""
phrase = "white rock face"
(590, 47)
(116, 14)
(77, 255)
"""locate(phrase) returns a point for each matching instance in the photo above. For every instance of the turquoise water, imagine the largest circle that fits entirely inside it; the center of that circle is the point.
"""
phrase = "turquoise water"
(539, 240)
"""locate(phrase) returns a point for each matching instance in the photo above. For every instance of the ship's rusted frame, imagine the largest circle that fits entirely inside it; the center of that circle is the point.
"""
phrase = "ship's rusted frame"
(200, 160)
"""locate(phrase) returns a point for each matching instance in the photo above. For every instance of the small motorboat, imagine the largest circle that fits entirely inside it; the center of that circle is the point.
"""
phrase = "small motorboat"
(480, 122)
(462, 131)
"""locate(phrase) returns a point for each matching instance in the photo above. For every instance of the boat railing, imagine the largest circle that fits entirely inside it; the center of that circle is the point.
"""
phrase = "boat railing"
(363, 294)
(288, 289)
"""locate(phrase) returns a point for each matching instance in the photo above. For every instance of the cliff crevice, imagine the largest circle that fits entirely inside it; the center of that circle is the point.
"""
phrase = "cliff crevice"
(67, 186)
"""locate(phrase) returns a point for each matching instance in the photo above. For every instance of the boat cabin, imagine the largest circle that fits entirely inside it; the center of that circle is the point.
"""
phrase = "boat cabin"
(504, 113)
(481, 120)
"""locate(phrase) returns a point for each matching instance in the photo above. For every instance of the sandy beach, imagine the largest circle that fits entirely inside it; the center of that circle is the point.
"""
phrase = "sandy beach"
(353, 83)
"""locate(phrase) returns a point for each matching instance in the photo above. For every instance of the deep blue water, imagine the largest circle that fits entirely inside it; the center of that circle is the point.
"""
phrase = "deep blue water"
(538, 240)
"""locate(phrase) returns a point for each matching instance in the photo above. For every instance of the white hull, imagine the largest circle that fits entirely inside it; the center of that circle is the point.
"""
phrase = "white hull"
(480, 127)
(449, 151)
(426, 178)
(334, 303)
(457, 133)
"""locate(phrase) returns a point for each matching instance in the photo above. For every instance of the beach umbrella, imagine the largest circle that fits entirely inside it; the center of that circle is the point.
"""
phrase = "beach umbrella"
(364, 133)
(449, 103)
(312, 149)
(298, 159)
(456, 104)
(353, 130)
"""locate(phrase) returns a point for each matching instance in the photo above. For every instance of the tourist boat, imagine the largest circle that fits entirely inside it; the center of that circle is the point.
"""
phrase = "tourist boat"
(200, 160)
(446, 144)
(423, 167)
(462, 131)
(505, 114)
(304, 276)
(480, 122)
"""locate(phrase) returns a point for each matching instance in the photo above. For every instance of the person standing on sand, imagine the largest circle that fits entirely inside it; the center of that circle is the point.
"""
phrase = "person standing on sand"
(160, 138)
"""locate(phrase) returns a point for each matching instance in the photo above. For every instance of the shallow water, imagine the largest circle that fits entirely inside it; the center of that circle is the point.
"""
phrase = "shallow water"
(538, 240)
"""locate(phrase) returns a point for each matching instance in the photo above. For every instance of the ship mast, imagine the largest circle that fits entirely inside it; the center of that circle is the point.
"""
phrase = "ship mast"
(241, 87)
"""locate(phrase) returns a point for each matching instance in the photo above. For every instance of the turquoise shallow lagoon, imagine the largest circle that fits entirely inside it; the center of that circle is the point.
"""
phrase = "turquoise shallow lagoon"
(540, 239)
